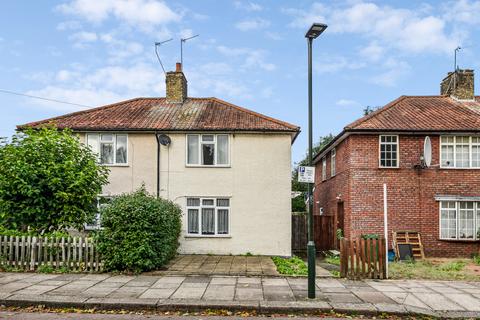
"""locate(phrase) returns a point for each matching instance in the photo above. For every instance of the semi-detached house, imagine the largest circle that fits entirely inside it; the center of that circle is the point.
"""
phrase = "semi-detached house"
(440, 201)
(228, 168)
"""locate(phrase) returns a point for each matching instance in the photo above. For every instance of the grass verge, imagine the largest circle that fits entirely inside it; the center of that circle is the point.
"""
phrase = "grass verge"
(430, 269)
(293, 266)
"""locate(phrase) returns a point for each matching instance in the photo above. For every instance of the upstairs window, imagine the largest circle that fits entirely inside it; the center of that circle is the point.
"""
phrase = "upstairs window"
(459, 152)
(324, 169)
(110, 148)
(207, 150)
(208, 216)
(333, 160)
(388, 151)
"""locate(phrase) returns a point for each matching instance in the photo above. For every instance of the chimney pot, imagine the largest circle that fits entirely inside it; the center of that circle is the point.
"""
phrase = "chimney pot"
(178, 67)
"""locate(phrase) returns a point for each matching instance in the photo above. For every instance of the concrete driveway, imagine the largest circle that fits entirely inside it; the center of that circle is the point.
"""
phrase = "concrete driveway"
(220, 265)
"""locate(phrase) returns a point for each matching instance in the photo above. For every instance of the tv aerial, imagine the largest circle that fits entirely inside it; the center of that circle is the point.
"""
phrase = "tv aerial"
(157, 45)
(182, 41)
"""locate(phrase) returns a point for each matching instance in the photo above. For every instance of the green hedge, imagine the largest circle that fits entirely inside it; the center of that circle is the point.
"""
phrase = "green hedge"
(140, 232)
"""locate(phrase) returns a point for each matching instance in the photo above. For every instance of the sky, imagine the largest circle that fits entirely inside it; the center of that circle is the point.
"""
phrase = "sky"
(250, 53)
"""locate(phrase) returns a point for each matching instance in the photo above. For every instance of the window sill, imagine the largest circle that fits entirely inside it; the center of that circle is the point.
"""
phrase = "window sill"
(207, 236)
(388, 167)
(206, 166)
(454, 168)
(115, 165)
(460, 240)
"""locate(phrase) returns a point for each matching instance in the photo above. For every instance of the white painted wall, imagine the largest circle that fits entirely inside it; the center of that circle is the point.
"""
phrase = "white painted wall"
(258, 183)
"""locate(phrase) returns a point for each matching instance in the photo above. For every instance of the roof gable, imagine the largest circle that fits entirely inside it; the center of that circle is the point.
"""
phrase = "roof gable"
(145, 114)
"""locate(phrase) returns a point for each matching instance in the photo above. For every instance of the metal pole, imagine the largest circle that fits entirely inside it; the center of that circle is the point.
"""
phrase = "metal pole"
(385, 227)
(311, 252)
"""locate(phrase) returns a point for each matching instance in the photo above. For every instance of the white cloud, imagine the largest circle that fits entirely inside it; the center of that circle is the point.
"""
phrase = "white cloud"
(248, 6)
(252, 24)
(273, 35)
(82, 38)
(119, 50)
(98, 87)
(253, 58)
(394, 71)
(145, 14)
(464, 11)
(69, 25)
(346, 102)
(372, 52)
(406, 30)
(334, 64)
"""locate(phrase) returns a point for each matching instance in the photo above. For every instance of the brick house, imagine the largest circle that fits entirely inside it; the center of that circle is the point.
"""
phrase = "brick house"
(441, 201)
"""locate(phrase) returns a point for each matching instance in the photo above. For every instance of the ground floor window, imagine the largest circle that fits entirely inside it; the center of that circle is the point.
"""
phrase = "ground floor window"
(96, 222)
(460, 220)
(208, 216)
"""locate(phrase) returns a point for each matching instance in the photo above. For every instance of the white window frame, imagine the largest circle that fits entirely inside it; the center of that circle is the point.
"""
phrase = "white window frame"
(390, 143)
(216, 208)
(454, 144)
(333, 164)
(99, 134)
(324, 168)
(98, 221)
(199, 151)
(476, 221)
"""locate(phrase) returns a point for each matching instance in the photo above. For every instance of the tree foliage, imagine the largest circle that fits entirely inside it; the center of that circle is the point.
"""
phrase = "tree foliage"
(49, 181)
(298, 203)
(140, 232)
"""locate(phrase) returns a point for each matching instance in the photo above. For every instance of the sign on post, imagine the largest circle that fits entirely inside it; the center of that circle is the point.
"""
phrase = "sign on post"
(306, 174)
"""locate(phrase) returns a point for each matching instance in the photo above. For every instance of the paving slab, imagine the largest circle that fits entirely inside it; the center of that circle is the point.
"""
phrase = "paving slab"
(157, 293)
(36, 289)
(342, 298)
(248, 294)
(373, 297)
(467, 301)
(128, 292)
(220, 292)
(223, 280)
(190, 291)
(437, 301)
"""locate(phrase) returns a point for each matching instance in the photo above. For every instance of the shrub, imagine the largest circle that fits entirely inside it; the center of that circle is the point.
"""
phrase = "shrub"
(49, 181)
(293, 266)
(140, 232)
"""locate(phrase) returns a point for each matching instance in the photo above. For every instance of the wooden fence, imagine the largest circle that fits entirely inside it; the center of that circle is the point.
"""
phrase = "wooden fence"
(362, 258)
(323, 232)
(30, 253)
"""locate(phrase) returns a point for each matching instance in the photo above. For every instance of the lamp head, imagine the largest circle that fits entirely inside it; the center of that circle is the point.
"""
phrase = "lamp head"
(315, 30)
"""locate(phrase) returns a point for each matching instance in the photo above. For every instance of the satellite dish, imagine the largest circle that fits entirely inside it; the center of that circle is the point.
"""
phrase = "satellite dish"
(427, 151)
(164, 140)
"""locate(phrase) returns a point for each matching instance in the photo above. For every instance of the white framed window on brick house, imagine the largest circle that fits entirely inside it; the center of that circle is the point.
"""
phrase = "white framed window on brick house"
(208, 150)
(459, 220)
(111, 148)
(333, 162)
(388, 151)
(324, 169)
(459, 152)
(208, 216)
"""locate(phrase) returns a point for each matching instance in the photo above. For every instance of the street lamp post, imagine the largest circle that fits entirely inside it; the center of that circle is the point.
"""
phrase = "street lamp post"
(315, 30)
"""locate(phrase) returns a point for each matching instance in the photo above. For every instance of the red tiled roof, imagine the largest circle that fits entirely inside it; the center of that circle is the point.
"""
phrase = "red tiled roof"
(422, 113)
(157, 114)
(416, 114)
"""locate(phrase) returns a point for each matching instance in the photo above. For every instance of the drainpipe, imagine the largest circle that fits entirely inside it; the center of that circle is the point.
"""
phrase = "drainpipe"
(158, 164)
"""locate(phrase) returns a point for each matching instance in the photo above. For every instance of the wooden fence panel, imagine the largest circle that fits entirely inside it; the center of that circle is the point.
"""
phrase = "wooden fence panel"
(362, 258)
(323, 232)
(30, 253)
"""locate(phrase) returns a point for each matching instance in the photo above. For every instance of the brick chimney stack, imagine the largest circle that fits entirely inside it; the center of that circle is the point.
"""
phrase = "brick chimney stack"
(176, 85)
(458, 85)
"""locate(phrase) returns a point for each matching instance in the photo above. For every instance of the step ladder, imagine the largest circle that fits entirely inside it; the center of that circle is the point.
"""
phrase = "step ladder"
(409, 237)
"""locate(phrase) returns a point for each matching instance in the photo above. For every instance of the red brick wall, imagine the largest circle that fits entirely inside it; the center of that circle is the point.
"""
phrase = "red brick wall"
(411, 192)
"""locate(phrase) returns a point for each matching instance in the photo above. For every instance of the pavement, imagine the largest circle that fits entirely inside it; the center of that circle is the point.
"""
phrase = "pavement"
(262, 294)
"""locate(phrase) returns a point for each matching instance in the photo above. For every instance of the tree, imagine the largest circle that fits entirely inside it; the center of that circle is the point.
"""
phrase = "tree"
(298, 203)
(149, 239)
(49, 181)
(367, 110)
